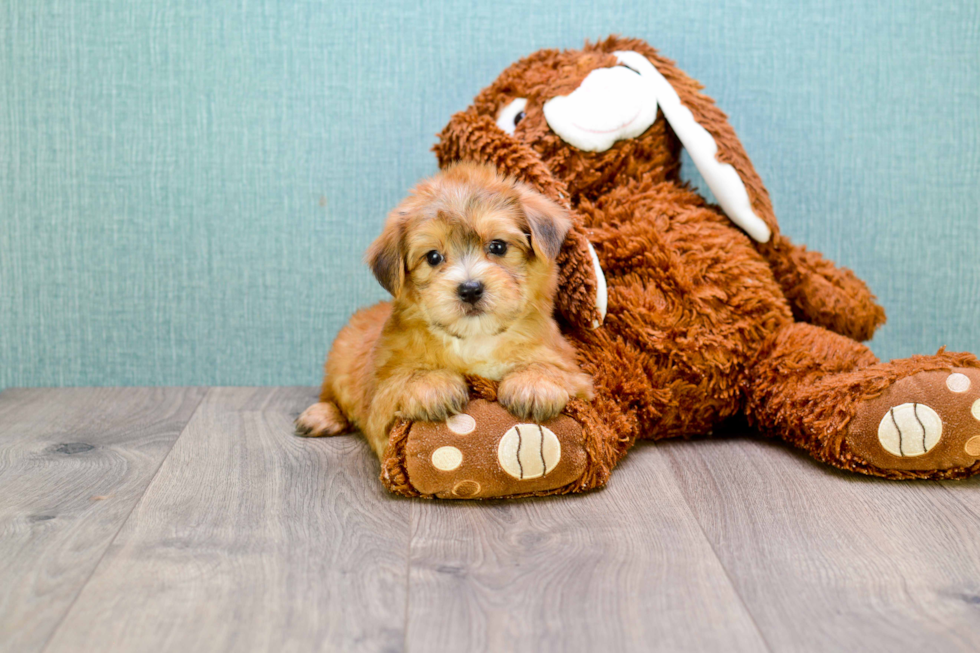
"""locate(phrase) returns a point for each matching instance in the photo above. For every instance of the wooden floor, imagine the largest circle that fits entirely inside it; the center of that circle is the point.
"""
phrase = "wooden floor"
(190, 519)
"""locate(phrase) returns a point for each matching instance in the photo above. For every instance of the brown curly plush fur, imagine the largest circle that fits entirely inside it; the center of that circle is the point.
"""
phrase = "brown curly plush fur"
(703, 323)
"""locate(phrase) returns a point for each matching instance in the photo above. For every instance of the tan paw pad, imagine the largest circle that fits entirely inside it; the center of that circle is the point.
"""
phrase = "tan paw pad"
(972, 446)
(466, 489)
(461, 424)
(528, 451)
(910, 430)
(957, 382)
(447, 458)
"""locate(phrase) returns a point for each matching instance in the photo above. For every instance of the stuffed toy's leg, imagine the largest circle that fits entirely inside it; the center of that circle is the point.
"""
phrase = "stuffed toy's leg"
(486, 452)
(912, 418)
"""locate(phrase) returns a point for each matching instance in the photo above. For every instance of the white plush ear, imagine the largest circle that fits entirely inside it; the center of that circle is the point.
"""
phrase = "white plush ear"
(722, 178)
(601, 292)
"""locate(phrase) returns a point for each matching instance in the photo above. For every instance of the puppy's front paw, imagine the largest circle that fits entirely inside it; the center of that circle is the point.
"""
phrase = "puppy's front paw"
(434, 397)
(532, 395)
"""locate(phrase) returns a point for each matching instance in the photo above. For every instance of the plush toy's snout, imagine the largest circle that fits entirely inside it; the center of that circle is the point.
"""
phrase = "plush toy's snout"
(611, 104)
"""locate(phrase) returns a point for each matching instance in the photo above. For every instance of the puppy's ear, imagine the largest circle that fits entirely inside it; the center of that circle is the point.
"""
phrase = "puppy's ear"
(549, 222)
(386, 255)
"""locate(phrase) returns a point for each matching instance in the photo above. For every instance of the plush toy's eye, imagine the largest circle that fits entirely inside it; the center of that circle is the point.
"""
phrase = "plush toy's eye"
(511, 114)
(497, 247)
(434, 258)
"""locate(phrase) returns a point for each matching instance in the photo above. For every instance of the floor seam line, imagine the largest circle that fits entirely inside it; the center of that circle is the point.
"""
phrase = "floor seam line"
(721, 564)
(122, 524)
(957, 499)
(408, 572)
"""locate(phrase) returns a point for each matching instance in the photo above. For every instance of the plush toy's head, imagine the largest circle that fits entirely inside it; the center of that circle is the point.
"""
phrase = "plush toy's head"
(576, 123)
(585, 113)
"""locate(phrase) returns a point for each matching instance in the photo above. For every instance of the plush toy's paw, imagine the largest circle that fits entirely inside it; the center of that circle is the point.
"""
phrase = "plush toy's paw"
(927, 421)
(486, 452)
(323, 418)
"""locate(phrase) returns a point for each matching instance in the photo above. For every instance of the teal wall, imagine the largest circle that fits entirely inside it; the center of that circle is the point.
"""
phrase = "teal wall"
(186, 186)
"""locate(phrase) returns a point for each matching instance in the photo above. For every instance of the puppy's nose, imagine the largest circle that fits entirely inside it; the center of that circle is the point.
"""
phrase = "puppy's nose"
(470, 291)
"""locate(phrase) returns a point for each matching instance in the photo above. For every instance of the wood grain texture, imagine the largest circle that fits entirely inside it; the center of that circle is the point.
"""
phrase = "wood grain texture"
(251, 538)
(248, 538)
(829, 561)
(73, 463)
(623, 569)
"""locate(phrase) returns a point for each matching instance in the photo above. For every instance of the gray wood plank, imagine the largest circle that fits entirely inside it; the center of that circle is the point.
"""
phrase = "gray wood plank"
(826, 560)
(250, 538)
(967, 494)
(626, 568)
(73, 463)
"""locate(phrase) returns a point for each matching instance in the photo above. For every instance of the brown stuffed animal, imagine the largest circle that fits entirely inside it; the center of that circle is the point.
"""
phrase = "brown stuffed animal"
(686, 314)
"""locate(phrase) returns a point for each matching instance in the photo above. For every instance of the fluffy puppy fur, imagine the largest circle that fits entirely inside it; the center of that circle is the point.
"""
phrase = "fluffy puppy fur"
(469, 258)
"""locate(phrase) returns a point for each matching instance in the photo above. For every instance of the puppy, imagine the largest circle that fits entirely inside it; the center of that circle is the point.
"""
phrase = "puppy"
(469, 258)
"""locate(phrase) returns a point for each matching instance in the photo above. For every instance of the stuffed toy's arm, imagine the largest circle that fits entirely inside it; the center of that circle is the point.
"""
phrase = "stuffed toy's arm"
(472, 137)
(821, 293)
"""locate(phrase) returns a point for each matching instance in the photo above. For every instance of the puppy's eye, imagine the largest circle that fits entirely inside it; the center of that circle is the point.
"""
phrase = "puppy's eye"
(497, 247)
(434, 258)
(512, 114)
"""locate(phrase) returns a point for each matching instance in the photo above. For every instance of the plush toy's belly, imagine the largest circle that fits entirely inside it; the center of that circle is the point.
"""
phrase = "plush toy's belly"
(690, 303)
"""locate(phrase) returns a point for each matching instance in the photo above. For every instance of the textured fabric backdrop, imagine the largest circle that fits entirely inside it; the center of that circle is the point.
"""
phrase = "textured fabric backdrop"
(187, 186)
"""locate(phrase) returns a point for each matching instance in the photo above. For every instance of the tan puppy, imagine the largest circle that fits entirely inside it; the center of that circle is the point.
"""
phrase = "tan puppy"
(469, 257)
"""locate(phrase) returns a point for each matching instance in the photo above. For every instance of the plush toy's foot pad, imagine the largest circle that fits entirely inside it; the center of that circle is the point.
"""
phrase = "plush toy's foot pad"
(927, 421)
(486, 452)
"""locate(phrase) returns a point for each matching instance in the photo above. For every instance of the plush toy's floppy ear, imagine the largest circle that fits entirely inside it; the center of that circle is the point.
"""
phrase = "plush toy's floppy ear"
(704, 131)
(472, 137)
(386, 258)
(548, 221)
(819, 292)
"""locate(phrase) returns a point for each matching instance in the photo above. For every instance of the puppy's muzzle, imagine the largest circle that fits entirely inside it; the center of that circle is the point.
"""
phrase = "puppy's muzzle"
(470, 291)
